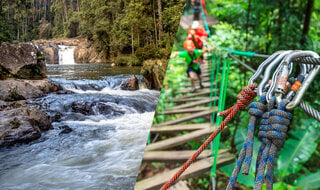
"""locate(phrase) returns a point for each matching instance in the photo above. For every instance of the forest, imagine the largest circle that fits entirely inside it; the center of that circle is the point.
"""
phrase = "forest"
(141, 29)
(263, 27)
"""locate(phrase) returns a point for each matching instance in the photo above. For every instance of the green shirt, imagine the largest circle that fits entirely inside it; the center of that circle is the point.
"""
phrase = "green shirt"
(191, 58)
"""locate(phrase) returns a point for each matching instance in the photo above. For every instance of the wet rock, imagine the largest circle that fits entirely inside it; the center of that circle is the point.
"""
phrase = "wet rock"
(39, 119)
(154, 73)
(108, 110)
(22, 125)
(23, 60)
(65, 129)
(81, 107)
(131, 84)
(16, 89)
(56, 118)
(3, 105)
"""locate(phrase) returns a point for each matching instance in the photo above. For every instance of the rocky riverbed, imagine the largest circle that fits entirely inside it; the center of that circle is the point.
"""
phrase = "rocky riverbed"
(70, 126)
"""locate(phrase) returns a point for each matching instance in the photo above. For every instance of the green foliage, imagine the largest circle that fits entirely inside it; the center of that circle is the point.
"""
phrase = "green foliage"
(272, 25)
(310, 181)
(297, 150)
(127, 61)
(115, 27)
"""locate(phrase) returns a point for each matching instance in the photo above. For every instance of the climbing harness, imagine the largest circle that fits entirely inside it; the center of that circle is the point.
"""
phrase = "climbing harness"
(278, 97)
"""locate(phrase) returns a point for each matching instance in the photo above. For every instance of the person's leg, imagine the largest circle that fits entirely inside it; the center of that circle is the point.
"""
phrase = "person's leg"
(192, 77)
(199, 74)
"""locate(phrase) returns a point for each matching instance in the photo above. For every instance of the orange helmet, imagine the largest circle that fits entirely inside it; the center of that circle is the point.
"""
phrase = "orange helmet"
(189, 45)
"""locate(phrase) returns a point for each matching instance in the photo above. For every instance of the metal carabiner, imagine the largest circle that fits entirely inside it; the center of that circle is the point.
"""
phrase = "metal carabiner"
(280, 77)
(304, 86)
(262, 65)
(269, 69)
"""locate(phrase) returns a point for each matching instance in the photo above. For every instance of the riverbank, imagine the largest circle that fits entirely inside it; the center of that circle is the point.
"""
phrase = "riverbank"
(23, 77)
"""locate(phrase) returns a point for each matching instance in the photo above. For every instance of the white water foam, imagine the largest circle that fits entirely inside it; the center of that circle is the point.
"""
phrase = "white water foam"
(105, 163)
(66, 55)
(111, 91)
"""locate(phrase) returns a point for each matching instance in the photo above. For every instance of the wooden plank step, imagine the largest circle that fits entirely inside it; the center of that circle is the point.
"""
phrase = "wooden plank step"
(179, 140)
(176, 155)
(188, 110)
(193, 104)
(179, 128)
(204, 79)
(197, 93)
(183, 100)
(187, 90)
(187, 118)
(196, 169)
(189, 84)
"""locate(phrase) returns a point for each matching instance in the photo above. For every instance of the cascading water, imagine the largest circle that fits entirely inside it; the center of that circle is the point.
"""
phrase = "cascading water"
(98, 139)
(66, 55)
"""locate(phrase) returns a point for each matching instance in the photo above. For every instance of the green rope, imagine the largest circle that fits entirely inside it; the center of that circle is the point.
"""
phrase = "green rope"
(222, 99)
(205, 21)
(236, 52)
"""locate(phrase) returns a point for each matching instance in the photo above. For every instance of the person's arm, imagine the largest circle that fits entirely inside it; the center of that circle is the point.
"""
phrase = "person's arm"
(182, 54)
(198, 52)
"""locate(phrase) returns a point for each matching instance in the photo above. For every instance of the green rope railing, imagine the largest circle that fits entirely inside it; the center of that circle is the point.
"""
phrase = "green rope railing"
(205, 21)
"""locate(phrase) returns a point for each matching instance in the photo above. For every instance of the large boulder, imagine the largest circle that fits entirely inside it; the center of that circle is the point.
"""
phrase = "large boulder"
(17, 89)
(22, 60)
(22, 125)
(131, 84)
(51, 52)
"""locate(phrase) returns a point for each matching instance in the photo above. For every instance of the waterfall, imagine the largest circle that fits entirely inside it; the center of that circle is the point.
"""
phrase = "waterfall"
(66, 55)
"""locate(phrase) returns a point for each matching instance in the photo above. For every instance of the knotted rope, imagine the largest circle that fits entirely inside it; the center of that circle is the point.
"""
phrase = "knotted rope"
(272, 133)
(256, 111)
(243, 99)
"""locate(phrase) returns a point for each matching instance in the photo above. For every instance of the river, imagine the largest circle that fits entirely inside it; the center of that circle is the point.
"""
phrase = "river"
(99, 134)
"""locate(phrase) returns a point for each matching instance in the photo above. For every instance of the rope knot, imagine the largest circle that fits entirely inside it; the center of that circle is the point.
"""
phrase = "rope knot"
(272, 133)
(257, 109)
(244, 98)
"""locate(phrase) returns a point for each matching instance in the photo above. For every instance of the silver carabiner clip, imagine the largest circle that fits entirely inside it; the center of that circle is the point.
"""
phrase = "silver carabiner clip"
(269, 69)
(262, 66)
(304, 86)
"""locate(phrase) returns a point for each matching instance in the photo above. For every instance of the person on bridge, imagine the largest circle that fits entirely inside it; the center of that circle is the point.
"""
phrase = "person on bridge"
(197, 34)
(191, 55)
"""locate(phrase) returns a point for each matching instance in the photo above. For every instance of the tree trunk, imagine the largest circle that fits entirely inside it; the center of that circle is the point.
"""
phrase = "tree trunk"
(78, 6)
(66, 10)
(155, 24)
(306, 24)
(132, 45)
(160, 19)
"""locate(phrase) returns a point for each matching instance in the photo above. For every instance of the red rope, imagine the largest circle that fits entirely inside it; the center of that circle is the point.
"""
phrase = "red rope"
(243, 99)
